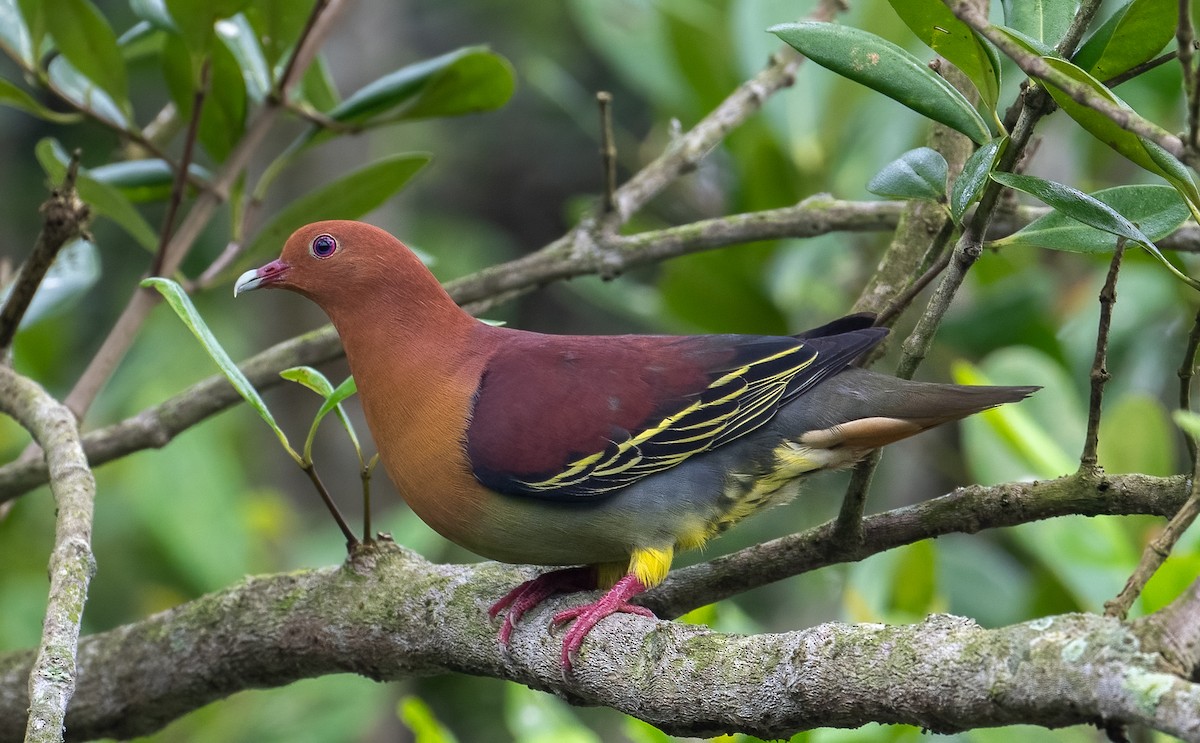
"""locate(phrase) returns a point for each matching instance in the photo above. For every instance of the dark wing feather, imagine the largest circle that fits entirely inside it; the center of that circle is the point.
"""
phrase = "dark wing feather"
(685, 395)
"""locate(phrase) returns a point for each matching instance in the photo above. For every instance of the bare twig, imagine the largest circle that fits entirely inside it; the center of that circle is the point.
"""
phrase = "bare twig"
(906, 297)
(64, 217)
(608, 151)
(52, 680)
(1187, 369)
(179, 186)
(1099, 375)
(1186, 39)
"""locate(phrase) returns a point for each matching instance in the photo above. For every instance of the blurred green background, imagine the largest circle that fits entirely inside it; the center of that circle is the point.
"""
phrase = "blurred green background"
(223, 501)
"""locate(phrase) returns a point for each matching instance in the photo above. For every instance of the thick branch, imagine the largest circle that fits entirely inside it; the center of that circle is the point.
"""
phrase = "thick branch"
(391, 615)
(52, 678)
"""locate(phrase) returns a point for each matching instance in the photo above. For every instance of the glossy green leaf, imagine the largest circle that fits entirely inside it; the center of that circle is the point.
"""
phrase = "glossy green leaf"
(1134, 34)
(317, 86)
(83, 92)
(969, 184)
(1157, 211)
(1028, 43)
(1175, 173)
(942, 31)
(1044, 20)
(239, 37)
(14, 33)
(140, 42)
(1097, 124)
(223, 115)
(105, 200)
(348, 197)
(143, 180)
(885, 67)
(277, 24)
(11, 95)
(917, 174)
(76, 269)
(155, 13)
(1188, 421)
(86, 40)
(1088, 210)
(183, 307)
(467, 80)
(195, 20)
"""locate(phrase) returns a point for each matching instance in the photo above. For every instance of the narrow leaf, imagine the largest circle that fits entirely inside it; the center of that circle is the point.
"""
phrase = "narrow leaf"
(1132, 35)
(1175, 173)
(319, 383)
(317, 87)
(84, 37)
(277, 23)
(970, 182)
(103, 198)
(223, 116)
(1090, 211)
(14, 33)
(240, 39)
(942, 31)
(917, 174)
(467, 80)
(348, 197)
(11, 95)
(1157, 210)
(1043, 20)
(885, 67)
(81, 90)
(183, 307)
(75, 270)
(143, 180)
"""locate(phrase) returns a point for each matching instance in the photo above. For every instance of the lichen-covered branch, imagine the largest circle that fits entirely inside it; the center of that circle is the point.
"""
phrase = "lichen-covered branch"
(51, 680)
(390, 615)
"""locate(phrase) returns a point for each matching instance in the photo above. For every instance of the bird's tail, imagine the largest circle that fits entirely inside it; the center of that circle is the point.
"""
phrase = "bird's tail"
(860, 409)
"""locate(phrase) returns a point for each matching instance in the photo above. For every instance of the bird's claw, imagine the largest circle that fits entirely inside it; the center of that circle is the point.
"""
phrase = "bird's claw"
(533, 592)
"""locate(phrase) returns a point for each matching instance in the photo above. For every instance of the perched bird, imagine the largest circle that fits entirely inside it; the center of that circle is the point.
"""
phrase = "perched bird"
(606, 452)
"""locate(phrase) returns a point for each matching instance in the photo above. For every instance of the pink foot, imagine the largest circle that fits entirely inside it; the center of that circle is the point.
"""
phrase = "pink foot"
(533, 592)
(588, 615)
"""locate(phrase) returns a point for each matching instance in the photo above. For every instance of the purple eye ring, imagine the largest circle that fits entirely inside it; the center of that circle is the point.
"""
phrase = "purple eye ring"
(323, 246)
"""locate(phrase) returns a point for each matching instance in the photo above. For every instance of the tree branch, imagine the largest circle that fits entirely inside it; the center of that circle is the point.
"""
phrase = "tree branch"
(390, 615)
(51, 681)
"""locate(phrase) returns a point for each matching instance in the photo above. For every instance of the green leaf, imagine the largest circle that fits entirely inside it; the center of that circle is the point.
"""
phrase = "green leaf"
(421, 722)
(319, 383)
(14, 33)
(942, 31)
(105, 200)
(77, 88)
(277, 24)
(155, 13)
(1088, 210)
(1176, 174)
(182, 304)
(143, 180)
(223, 115)
(467, 80)
(195, 20)
(917, 174)
(1026, 42)
(1188, 421)
(348, 197)
(75, 270)
(86, 40)
(1132, 35)
(239, 37)
(11, 95)
(317, 86)
(1157, 211)
(914, 585)
(970, 182)
(885, 67)
(1044, 20)
(1136, 437)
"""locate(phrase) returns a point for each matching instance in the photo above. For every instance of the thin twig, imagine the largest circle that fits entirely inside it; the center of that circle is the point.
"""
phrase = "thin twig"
(1139, 70)
(179, 186)
(906, 297)
(1157, 551)
(608, 151)
(848, 528)
(302, 52)
(1187, 369)
(351, 540)
(64, 217)
(1099, 375)
(52, 679)
(1185, 38)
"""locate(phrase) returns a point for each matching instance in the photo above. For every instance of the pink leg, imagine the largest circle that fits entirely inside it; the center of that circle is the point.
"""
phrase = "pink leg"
(533, 592)
(588, 615)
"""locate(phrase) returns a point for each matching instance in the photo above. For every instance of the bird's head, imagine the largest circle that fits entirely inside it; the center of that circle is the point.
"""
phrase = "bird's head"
(337, 262)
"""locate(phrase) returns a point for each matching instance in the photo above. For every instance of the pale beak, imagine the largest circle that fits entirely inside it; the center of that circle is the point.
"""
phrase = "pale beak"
(256, 278)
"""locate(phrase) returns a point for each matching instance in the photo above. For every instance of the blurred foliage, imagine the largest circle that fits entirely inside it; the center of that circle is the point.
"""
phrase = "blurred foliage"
(223, 501)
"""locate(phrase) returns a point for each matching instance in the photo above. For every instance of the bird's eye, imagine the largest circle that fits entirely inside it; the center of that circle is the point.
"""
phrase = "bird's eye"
(323, 246)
